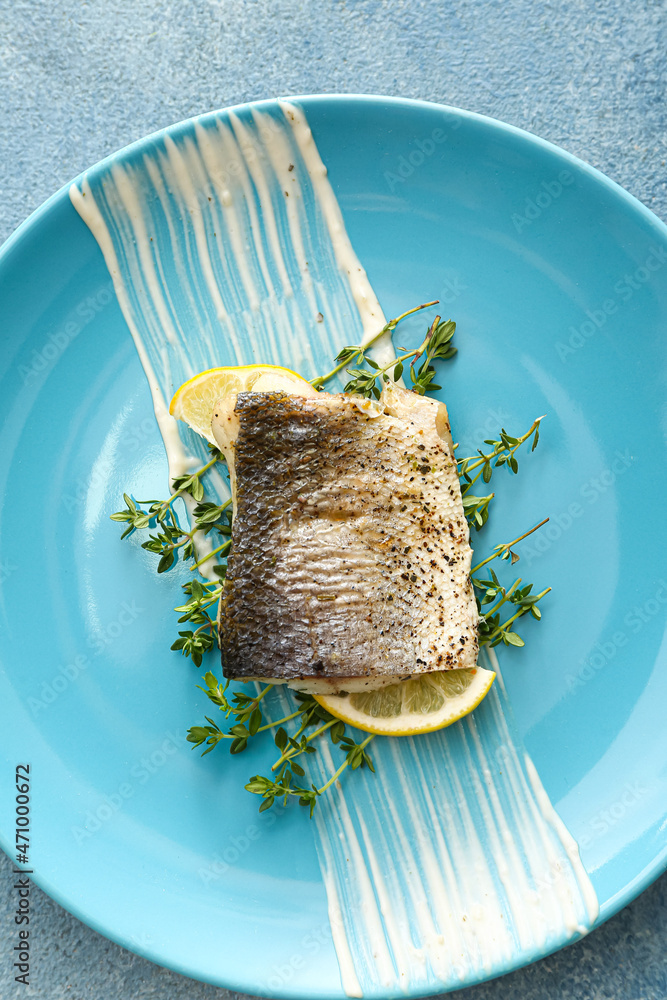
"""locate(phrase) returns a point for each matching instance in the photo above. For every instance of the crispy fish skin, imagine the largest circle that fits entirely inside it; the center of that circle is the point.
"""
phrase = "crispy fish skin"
(350, 549)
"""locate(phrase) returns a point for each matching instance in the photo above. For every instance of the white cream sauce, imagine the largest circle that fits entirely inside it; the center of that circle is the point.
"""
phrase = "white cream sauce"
(227, 245)
(450, 861)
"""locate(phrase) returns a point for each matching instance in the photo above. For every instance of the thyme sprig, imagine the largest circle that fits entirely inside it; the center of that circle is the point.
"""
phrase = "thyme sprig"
(198, 642)
(281, 786)
(249, 721)
(293, 746)
(347, 354)
(506, 550)
(436, 344)
(492, 630)
(243, 707)
(476, 509)
(502, 453)
(169, 536)
(159, 510)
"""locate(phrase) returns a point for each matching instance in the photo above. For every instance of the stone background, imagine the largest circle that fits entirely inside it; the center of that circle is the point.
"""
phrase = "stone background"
(81, 79)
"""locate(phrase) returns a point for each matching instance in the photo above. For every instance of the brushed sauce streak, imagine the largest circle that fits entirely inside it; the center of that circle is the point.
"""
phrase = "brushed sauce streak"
(202, 283)
(451, 860)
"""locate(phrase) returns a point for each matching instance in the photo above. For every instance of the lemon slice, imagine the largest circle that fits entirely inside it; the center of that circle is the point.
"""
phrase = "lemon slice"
(419, 705)
(195, 400)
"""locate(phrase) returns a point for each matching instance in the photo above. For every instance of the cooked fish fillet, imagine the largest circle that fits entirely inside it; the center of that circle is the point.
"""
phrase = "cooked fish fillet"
(350, 549)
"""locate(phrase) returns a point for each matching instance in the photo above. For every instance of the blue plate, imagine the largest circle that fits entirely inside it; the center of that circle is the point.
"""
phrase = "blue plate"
(557, 280)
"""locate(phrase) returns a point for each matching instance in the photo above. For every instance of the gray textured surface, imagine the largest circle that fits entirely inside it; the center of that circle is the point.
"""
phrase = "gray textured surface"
(79, 80)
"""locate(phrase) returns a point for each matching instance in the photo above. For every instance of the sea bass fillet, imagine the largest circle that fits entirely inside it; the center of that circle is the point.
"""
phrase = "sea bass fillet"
(350, 550)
